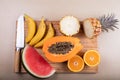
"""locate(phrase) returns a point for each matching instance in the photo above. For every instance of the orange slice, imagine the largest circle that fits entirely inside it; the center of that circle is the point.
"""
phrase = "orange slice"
(75, 64)
(91, 58)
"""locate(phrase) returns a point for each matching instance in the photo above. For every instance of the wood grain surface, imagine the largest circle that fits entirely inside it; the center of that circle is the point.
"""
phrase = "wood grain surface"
(62, 67)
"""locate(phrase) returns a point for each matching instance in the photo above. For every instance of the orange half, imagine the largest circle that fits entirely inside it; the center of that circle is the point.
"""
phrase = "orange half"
(91, 58)
(75, 64)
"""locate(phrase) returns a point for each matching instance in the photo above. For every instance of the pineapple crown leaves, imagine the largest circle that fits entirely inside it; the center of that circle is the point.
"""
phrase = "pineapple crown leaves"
(108, 22)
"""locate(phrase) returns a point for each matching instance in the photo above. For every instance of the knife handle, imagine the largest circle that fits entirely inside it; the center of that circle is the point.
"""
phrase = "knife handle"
(17, 61)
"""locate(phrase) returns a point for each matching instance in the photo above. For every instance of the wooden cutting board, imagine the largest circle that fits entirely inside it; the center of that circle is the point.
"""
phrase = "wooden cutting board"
(62, 67)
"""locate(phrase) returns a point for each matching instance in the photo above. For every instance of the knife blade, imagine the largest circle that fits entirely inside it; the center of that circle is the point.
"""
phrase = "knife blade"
(19, 41)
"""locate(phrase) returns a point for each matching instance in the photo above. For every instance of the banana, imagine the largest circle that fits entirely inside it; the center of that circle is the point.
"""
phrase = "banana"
(40, 33)
(50, 33)
(31, 28)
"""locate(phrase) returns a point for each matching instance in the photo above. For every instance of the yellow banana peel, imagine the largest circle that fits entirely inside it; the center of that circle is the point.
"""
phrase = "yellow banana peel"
(31, 28)
(49, 34)
(40, 33)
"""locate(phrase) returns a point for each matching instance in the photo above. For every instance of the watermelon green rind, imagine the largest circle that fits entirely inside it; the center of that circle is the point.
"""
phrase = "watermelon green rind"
(29, 70)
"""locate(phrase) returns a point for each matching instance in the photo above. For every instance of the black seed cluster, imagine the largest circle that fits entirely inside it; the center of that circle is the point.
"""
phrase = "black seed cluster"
(60, 47)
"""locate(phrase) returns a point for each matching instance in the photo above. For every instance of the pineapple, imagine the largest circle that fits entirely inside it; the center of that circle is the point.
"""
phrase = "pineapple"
(69, 25)
(93, 26)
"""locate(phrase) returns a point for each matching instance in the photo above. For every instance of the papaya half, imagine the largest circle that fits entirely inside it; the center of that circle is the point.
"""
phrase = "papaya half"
(61, 48)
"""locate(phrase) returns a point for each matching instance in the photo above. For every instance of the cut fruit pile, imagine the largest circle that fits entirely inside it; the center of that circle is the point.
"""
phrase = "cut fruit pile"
(61, 48)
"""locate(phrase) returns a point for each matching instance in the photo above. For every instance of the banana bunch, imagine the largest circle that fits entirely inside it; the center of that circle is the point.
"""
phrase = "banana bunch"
(37, 37)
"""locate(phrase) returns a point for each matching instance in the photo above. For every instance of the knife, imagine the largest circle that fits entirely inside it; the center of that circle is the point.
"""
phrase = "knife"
(19, 41)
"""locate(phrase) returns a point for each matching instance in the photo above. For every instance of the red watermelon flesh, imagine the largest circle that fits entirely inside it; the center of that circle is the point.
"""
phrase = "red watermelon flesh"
(35, 64)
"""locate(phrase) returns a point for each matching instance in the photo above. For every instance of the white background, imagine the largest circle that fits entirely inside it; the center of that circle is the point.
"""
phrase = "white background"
(108, 43)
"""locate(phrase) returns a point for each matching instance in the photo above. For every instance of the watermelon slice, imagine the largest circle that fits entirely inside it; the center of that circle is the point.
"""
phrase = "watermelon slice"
(35, 64)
